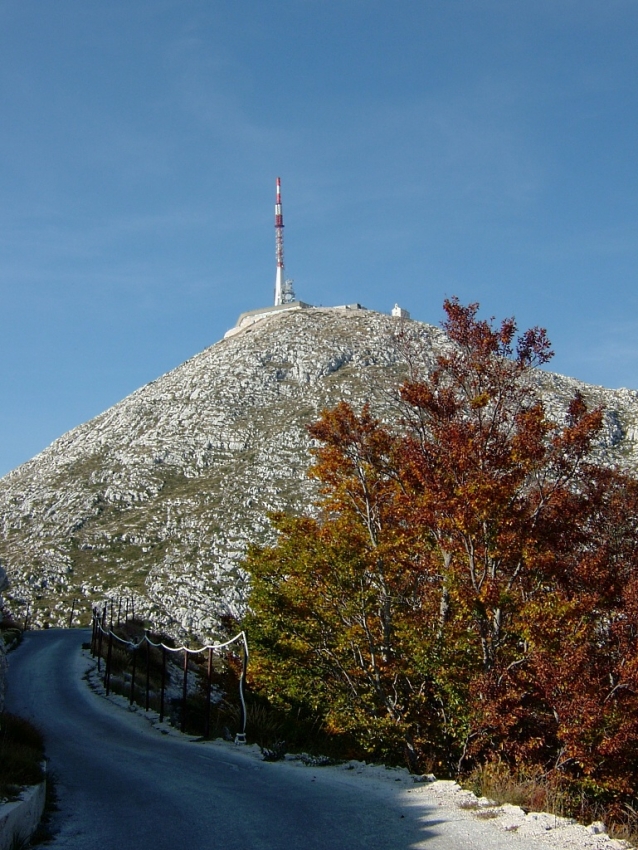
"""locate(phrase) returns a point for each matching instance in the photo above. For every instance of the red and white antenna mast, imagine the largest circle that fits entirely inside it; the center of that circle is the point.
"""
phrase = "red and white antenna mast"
(283, 288)
(279, 246)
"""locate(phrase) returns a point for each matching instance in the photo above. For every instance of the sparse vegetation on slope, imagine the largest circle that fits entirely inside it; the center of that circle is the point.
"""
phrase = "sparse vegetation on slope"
(159, 496)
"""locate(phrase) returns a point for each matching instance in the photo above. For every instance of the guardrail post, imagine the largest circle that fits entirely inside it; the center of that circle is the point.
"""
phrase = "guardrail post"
(163, 691)
(148, 670)
(184, 691)
(107, 672)
(72, 613)
(132, 695)
(93, 634)
(100, 639)
(240, 737)
(208, 687)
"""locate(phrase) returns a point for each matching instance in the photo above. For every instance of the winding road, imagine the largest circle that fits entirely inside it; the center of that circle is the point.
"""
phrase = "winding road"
(122, 784)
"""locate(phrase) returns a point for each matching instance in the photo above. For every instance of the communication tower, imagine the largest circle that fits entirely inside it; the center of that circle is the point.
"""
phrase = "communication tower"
(284, 293)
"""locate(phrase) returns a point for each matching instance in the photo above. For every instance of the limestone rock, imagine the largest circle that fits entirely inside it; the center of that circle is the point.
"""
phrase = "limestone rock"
(156, 499)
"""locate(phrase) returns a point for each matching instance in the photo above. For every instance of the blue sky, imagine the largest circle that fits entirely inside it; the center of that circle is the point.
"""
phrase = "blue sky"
(427, 148)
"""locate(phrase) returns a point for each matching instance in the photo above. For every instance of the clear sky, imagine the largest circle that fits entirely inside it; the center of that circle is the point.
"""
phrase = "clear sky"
(427, 148)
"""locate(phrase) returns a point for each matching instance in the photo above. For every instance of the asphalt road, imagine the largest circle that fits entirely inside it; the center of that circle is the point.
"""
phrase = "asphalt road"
(122, 784)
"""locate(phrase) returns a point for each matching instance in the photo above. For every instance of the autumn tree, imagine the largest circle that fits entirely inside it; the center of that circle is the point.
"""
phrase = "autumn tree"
(457, 551)
(571, 705)
(336, 604)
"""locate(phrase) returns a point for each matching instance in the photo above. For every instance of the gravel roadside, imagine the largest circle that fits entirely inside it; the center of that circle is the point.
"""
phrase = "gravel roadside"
(474, 820)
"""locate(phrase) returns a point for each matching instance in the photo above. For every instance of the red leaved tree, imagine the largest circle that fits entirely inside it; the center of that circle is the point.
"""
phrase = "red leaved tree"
(469, 587)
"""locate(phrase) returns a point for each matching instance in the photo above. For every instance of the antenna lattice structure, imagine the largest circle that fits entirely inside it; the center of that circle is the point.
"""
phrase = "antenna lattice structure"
(284, 293)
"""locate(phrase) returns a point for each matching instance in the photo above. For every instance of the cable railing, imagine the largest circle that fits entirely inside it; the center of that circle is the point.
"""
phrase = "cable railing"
(102, 633)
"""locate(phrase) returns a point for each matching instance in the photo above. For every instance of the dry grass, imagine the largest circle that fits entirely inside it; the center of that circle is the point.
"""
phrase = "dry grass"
(535, 791)
(21, 755)
(528, 789)
(487, 814)
(625, 827)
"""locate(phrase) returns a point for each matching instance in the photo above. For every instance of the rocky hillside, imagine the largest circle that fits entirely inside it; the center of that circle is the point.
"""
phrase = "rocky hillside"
(158, 497)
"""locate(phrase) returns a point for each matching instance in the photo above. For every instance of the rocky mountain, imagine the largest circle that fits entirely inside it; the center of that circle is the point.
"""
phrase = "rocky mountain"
(156, 499)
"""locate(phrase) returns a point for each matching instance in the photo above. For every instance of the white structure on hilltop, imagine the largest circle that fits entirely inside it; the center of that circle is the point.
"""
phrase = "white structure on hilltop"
(400, 313)
(284, 293)
(285, 300)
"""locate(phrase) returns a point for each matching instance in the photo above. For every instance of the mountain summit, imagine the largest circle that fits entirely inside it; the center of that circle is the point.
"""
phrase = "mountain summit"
(156, 499)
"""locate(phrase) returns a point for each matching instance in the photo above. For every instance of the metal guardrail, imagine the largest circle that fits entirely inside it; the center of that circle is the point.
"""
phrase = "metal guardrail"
(101, 632)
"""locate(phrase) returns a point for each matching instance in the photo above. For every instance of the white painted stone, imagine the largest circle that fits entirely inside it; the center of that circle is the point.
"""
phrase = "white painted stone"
(19, 820)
